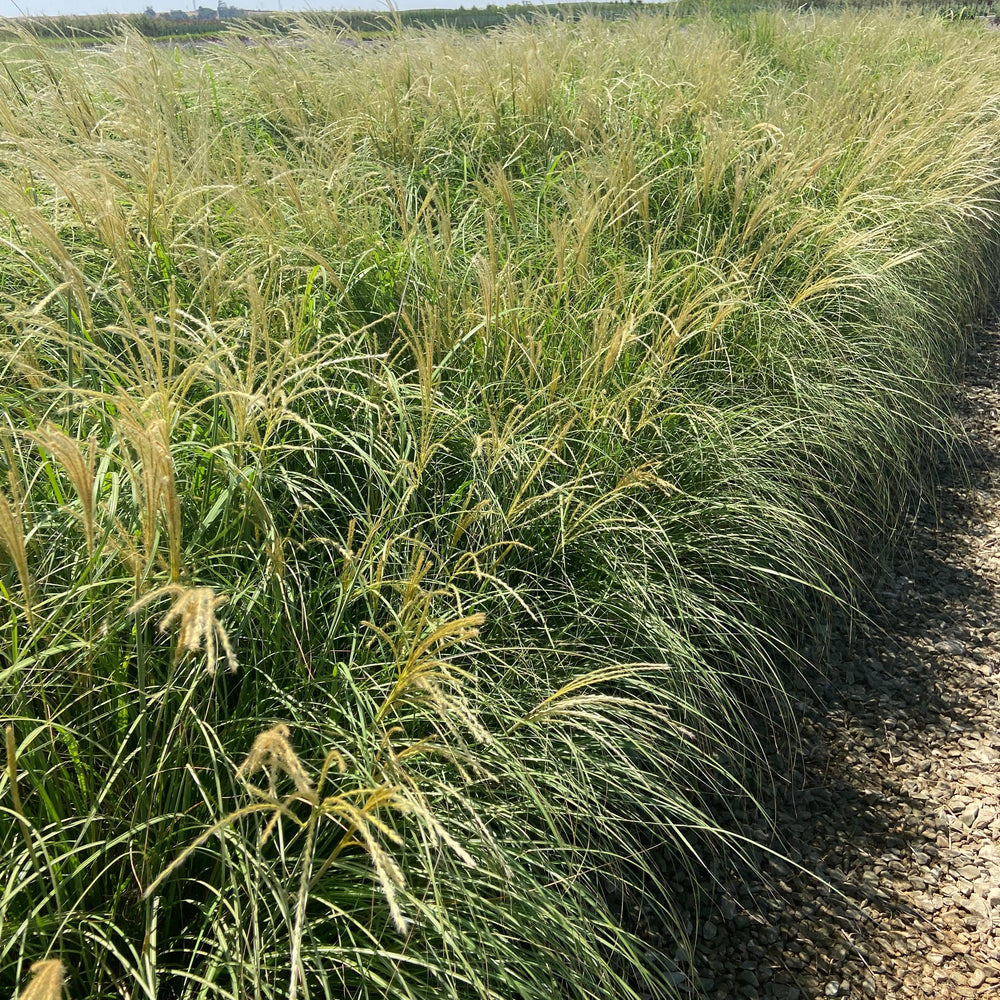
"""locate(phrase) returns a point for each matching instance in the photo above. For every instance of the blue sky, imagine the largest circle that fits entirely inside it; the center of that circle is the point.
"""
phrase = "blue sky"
(37, 8)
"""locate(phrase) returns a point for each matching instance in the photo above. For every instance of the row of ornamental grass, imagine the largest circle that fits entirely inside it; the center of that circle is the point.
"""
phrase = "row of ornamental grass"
(418, 463)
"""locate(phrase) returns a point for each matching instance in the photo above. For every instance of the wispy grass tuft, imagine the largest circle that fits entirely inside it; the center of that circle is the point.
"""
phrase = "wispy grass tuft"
(194, 610)
(47, 980)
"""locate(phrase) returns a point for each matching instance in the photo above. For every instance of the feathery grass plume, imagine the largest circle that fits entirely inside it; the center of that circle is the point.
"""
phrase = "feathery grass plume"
(150, 440)
(418, 640)
(424, 673)
(48, 979)
(272, 752)
(13, 542)
(195, 607)
(353, 811)
(78, 467)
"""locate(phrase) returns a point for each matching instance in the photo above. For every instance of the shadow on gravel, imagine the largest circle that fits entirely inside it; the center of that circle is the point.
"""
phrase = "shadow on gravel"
(889, 813)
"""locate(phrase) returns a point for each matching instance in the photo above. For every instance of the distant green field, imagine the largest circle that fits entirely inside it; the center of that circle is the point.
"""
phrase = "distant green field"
(475, 18)
(358, 22)
(419, 466)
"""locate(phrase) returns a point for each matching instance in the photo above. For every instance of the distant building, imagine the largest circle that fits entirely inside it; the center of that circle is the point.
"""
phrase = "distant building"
(223, 12)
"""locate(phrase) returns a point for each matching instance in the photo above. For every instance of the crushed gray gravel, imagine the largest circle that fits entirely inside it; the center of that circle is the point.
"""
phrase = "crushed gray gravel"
(890, 818)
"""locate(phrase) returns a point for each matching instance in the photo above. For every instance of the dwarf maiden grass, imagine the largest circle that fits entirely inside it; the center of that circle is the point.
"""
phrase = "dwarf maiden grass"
(526, 397)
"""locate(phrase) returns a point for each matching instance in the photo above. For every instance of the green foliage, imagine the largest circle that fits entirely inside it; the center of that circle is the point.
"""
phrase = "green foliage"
(507, 408)
(90, 28)
(357, 25)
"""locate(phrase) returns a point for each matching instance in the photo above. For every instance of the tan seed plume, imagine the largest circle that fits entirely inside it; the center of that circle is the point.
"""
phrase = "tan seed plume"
(12, 541)
(272, 752)
(151, 443)
(79, 468)
(195, 607)
(47, 980)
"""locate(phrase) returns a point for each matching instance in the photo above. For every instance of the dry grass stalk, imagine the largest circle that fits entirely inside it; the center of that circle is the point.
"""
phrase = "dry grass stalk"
(48, 978)
(151, 442)
(195, 607)
(272, 752)
(424, 672)
(354, 810)
(13, 542)
(79, 468)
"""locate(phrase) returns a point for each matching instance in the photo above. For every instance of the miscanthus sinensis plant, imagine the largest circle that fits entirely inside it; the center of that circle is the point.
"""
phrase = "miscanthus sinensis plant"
(498, 411)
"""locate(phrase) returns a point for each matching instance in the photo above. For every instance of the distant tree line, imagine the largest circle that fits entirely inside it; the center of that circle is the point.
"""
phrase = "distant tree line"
(207, 21)
(96, 26)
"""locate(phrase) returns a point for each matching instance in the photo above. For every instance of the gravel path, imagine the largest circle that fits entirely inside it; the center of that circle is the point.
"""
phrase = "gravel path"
(895, 800)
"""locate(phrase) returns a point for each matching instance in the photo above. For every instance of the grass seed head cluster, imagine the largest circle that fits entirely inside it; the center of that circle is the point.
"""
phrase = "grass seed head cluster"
(524, 399)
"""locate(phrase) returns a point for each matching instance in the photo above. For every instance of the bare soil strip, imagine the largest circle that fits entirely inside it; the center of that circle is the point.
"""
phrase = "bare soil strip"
(894, 802)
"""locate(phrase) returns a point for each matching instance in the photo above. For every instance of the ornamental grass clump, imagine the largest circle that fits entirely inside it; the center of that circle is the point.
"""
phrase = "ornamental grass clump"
(519, 405)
